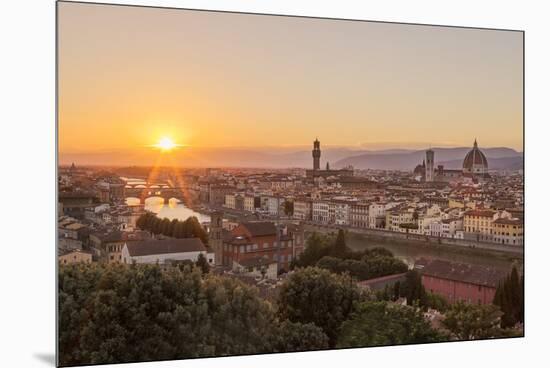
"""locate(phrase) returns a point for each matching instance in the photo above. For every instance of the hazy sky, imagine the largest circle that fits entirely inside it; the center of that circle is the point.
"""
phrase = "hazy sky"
(130, 75)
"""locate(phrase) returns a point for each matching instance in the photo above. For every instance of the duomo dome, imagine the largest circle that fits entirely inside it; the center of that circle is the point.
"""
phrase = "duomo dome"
(475, 162)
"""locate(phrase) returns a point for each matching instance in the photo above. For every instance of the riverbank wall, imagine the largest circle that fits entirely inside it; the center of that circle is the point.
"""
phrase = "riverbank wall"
(382, 236)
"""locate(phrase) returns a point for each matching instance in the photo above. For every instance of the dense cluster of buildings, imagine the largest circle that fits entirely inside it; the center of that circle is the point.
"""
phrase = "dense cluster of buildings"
(258, 216)
(468, 204)
(95, 224)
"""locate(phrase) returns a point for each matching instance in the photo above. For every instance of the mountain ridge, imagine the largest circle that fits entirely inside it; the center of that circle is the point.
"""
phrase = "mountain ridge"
(398, 159)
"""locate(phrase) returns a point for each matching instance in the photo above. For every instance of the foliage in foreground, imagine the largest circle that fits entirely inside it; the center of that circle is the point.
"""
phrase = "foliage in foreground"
(120, 313)
(314, 295)
(470, 322)
(383, 323)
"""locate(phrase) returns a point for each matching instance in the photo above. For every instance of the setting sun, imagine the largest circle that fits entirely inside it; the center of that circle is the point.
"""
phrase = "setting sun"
(166, 144)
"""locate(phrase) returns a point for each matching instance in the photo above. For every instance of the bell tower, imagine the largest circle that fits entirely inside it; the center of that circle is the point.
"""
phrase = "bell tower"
(429, 165)
(316, 153)
(215, 236)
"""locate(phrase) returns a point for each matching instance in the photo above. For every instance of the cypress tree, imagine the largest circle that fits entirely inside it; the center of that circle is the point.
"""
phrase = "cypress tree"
(149, 222)
(165, 227)
(498, 299)
(396, 290)
(521, 311)
(509, 297)
(340, 244)
(156, 227)
(515, 295)
(141, 221)
(173, 225)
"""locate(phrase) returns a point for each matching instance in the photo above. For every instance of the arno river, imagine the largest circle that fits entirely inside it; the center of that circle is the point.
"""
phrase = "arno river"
(405, 251)
(173, 210)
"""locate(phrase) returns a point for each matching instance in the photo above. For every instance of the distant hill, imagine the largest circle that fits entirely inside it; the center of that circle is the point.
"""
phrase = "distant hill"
(498, 157)
(393, 159)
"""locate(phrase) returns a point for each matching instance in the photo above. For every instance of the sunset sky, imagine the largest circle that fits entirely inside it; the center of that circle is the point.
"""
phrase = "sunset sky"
(129, 76)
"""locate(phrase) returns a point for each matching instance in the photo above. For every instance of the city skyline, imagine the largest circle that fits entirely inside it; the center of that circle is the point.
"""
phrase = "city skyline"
(218, 169)
(258, 81)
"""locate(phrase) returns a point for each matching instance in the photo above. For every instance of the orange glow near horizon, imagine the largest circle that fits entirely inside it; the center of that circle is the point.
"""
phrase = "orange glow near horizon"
(135, 81)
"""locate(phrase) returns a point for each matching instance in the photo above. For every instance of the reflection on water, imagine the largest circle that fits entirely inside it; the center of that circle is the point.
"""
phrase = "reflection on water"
(173, 210)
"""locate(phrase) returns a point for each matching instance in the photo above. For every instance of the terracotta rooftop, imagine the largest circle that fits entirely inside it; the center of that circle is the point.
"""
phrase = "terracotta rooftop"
(506, 221)
(149, 247)
(260, 228)
(481, 213)
(468, 273)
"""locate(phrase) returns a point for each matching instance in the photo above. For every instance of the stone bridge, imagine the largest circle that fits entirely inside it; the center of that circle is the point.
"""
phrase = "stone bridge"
(143, 192)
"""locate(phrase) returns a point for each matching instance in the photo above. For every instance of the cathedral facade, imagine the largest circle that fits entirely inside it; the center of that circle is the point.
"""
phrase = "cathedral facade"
(474, 167)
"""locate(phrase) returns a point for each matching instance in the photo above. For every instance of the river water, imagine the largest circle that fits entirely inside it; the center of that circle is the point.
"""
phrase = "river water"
(173, 210)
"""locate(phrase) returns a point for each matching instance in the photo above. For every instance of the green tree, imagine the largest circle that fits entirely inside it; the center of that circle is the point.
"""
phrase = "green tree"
(150, 221)
(470, 322)
(173, 224)
(437, 302)
(340, 248)
(165, 227)
(190, 228)
(509, 298)
(202, 264)
(313, 295)
(177, 231)
(522, 295)
(157, 226)
(378, 251)
(140, 222)
(317, 246)
(413, 289)
(293, 336)
(193, 228)
(117, 313)
(385, 323)
(396, 290)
